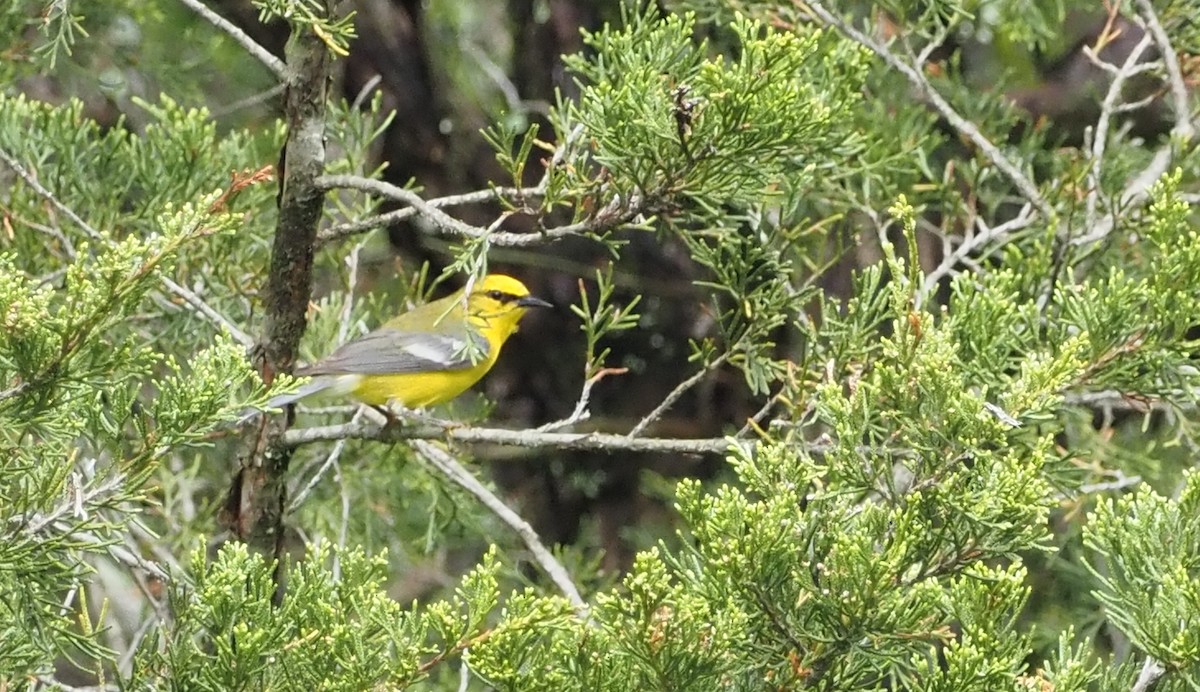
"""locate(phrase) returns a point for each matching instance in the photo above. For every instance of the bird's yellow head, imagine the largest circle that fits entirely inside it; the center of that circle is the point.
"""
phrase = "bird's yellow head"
(497, 303)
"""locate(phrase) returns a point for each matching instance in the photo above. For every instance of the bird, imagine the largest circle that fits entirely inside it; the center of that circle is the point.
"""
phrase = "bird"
(426, 356)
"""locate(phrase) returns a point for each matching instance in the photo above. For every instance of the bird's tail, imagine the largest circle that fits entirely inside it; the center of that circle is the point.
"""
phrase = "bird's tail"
(317, 385)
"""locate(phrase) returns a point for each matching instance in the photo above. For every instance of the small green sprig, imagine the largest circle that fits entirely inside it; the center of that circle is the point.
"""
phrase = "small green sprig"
(602, 319)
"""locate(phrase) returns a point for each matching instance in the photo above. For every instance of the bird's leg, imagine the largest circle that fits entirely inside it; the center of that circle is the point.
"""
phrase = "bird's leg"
(397, 414)
(389, 414)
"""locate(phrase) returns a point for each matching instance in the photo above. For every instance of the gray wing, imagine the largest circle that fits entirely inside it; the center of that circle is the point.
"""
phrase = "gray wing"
(391, 351)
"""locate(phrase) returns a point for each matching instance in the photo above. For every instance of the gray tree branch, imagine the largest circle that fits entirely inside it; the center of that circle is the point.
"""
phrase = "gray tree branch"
(603, 442)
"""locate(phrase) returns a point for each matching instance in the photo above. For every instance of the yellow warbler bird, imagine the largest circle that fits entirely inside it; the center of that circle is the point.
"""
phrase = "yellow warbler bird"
(426, 356)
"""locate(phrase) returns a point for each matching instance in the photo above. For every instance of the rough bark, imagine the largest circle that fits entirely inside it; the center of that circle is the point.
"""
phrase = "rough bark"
(260, 488)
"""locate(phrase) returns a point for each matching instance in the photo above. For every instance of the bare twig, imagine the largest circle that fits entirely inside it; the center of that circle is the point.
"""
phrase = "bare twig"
(197, 303)
(520, 195)
(146, 540)
(351, 228)
(330, 462)
(1136, 189)
(69, 599)
(675, 393)
(344, 525)
(969, 246)
(1179, 93)
(16, 391)
(53, 231)
(464, 673)
(365, 92)
(1120, 482)
(932, 45)
(348, 305)
(1134, 194)
(1147, 680)
(125, 663)
(560, 154)
(500, 78)
(449, 467)
(263, 55)
(581, 412)
(118, 553)
(610, 216)
(30, 180)
(77, 499)
(343, 230)
(1130, 106)
(753, 422)
(1107, 108)
(965, 127)
(249, 101)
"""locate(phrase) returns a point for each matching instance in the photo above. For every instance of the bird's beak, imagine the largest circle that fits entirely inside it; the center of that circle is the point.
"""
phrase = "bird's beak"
(531, 302)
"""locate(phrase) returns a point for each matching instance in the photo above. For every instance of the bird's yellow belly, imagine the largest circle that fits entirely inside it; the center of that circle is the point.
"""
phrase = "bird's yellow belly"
(415, 390)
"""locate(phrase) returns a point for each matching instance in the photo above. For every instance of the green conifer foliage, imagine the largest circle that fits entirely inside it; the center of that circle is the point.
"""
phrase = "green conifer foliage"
(974, 463)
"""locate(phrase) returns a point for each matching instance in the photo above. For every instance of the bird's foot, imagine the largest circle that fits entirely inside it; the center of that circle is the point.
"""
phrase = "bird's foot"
(399, 415)
(390, 417)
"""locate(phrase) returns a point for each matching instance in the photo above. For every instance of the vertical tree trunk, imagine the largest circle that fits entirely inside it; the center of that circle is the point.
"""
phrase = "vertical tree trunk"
(260, 489)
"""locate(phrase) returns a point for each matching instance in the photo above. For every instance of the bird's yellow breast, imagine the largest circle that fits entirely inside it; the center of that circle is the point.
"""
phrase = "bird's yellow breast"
(418, 389)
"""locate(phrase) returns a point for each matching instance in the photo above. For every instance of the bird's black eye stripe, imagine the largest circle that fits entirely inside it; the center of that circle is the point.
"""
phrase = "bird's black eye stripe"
(501, 296)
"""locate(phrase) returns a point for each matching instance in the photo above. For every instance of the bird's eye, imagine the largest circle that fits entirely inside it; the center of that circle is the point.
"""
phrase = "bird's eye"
(496, 296)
